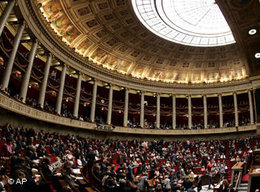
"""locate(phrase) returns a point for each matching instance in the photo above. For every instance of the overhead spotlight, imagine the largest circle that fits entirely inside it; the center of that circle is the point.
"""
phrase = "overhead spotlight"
(257, 55)
(252, 31)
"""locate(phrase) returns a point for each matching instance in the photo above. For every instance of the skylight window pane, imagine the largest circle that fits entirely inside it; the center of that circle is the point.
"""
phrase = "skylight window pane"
(200, 22)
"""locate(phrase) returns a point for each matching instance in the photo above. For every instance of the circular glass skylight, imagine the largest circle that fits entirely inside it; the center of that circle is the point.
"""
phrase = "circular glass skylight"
(187, 22)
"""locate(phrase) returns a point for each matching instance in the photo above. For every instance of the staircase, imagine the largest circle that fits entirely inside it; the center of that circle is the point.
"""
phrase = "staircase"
(242, 187)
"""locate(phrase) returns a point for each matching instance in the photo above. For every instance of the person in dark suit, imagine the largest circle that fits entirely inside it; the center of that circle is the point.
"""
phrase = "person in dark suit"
(191, 189)
(224, 187)
(198, 180)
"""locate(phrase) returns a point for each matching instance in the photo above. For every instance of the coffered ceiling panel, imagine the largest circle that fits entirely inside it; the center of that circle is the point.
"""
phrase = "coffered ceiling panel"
(108, 33)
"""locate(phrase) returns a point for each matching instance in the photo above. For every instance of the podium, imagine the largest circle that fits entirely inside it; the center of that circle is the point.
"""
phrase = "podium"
(254, 173)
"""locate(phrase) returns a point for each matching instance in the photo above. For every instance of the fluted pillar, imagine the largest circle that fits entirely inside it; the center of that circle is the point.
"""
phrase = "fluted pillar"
(126, 107)
(6, 14)
(110, 106)
(27, 75)
(9, 66)
(142, 110)
(205, 111)
(60, 95)
(189, 113)
(236, 109)
(220, 110)
(174, 112)
(158, 116)
(44, 81)
(93, 104)
(77, 99)
(251, 107)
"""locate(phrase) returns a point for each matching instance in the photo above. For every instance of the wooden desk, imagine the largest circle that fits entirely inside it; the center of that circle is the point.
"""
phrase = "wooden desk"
(238, 167)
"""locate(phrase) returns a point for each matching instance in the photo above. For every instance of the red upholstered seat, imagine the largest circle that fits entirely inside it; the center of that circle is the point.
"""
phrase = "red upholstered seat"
(53, 158)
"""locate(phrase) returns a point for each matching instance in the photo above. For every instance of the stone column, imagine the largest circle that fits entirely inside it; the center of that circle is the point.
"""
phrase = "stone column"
(110, 106)
(6, 14)
(44, 81)
(236, 109)
(93, 104)
(9, 66)
(205, 111)
(142, 110)
(255, 108)
(60, 95)
(158, 111)
(251, 107)
(27, 75)
(77, 99)
(174, 112)
(220, 110)
(189, 113)
(126, 107)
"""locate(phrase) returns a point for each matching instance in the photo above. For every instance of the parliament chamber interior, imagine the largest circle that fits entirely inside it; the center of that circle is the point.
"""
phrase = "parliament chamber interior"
(130, 95)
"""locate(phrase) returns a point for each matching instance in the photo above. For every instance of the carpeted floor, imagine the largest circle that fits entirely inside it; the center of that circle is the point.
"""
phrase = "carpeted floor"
(245, 178)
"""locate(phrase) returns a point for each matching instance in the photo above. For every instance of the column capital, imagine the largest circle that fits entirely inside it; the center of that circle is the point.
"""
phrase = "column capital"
(34, 40)
(49, 54)
(22, 22)
(64, 65)
(94, 80)
(80, 73)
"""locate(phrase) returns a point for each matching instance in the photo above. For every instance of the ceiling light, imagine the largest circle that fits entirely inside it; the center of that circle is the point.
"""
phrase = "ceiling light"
(257, 55)
(252, 31)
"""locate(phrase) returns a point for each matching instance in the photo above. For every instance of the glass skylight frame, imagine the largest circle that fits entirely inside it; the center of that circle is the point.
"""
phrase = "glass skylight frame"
(174, 20)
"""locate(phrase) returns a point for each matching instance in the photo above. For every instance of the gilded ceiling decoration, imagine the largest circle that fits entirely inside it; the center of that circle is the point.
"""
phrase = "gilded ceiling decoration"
(108, 33)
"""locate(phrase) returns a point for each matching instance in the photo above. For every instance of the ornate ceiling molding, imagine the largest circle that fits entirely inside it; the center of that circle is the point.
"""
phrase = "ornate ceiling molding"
(56, 46)
(109, 35)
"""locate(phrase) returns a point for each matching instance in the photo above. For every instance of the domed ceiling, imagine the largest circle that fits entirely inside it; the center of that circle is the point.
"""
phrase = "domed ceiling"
(109, 33)
(188, 22)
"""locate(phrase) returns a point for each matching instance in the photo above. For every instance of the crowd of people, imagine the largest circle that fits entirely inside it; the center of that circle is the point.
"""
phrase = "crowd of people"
(169, 166)
(119, 165)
